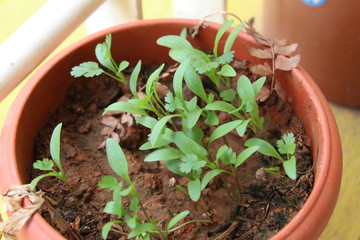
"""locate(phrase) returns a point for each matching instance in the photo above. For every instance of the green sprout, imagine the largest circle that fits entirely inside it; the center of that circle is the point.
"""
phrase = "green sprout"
(47, 164)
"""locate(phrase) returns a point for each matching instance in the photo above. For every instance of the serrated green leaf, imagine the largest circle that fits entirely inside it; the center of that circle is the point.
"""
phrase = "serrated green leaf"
(263, 147)
(177, 218)
(45, 164)
(191, 162)
(153, 78)
(224, 129)
(286, 145)
(290, 167)
(228, 95)
(173, 103)
(125, 106)
(117, 159)
(113, 207)
(109, 182)
(86, 69)
(227, 71)
(226, 57)
(209, 176)
(143, 228)
(35, 181)
(224, 27)
(201, 66)
(163, 154)
(133, 79)
(194, 188)
(55, 146)
(245, 154)
(231, 39)
(228, 156)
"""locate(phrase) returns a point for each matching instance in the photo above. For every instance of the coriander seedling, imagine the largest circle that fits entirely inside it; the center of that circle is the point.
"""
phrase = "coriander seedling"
(47, 164)
(103, 55)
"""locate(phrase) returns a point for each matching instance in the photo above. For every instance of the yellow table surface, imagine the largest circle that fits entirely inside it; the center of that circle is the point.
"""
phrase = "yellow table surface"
(346, 217)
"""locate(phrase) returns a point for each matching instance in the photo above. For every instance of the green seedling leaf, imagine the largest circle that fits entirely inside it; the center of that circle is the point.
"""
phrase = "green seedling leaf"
(209, 176)
(231, 39)
(183, 33)
(106, 229)
(224, 129)
(113, 207)
(245, 90)
(103, 54)
(227, 71)
(195, 134)
(192, 104)
(177, 218)
(224, 27)
(109, 182)
(221, 151)
(287, 144)
(220, 106)
(117, 159)
(241, 129)
(174, 42)
(35, 181)
(122, 66)
(194, 83)
(257, 85)
(178, 79)
(125, 106)
(143, 228)
(228, 95)
(290, 167)
(194, 188)
(163, 154)
(134, 204)
(263, 147)
(133, 79)
(86, 69)
(193, 117)
(148, 122)
(44, 164)
(191, 162)
(153, 78)
(188, 146)
(228, 156)
(245, 154)
(55, 146)
(160, 143)
(181, 55)
(158, 128)
(211, 118)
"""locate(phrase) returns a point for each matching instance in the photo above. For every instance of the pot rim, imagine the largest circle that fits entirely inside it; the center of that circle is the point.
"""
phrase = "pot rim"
(330, 139)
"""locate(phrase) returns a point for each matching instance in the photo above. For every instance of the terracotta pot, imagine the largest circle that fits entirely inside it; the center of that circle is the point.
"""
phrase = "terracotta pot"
(46, 90)
(328, 37)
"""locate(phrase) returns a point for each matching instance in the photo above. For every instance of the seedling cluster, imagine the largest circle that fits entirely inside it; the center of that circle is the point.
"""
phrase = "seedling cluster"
(176, 137)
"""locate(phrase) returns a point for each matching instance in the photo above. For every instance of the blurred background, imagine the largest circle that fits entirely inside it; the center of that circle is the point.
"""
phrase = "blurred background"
(329, 36)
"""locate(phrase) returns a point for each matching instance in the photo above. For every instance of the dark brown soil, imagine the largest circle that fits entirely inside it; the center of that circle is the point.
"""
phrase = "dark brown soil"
(272, 200)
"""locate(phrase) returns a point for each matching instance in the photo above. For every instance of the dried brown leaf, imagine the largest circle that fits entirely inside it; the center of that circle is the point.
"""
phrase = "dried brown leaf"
(127, 118)
(261, 69)
(258, 37)
(280, 91)
(285, 50)
(259, 53)
(115, 136)
(264, 94)
(109, 121)
(280, 42)
(13, 200)
(106, 131)
(287, 64)
(102, 145)
(122, 130)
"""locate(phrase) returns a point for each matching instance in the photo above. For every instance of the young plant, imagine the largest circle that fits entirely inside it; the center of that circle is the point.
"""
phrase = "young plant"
(286, 146)
(47, 164)
(103, 55)
(143, 230)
